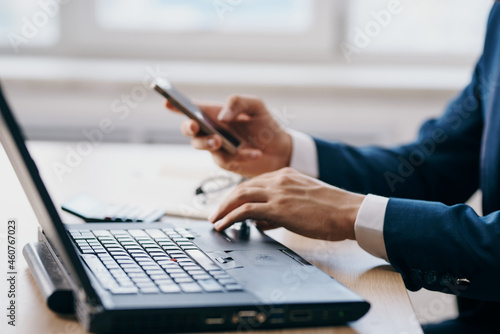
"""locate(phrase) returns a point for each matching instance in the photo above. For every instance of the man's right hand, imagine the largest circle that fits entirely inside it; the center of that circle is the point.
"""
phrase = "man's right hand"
(266, 146)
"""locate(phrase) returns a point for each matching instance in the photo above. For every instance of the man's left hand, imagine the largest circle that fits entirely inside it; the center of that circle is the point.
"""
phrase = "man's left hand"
(287, 198)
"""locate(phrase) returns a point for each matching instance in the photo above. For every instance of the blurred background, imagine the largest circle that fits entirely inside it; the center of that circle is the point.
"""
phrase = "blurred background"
(359, 71)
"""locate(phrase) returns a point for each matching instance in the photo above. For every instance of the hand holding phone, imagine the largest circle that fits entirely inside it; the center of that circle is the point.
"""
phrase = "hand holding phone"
(262, 145)
(230, 142)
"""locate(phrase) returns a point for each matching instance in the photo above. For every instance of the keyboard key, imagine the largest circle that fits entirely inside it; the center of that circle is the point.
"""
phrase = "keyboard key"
(104, 256)
(149, 290)
(133, 270)
(112, 265)
(164, 281)
(127, 244)
(159, 276)
(123, 290)
(165, 242)
(169, 249)
(115, 249)
(155, 271)
(180, 239)
(117, 272)
(146, 263)
(226, 281)
(149, 267)
(186, 262)
(169, 265)
(165, 238)
(155, 233)
(190, 287)
(183, 280)
(101, 233)
(137, 251)
(146, 286)
(202, 259)
(216, 272)
(202, 276)
(210, 285)
(169, 288)
(152, 254)
(222, 276)
(141, 280)
(185, 243)
(141, 274)
(196, 272)
(137, 233)
(125, 283)
(179, 275)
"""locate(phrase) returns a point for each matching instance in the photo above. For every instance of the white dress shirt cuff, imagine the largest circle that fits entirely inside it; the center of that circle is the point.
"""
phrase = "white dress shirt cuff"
(369, 225)
(304, 153)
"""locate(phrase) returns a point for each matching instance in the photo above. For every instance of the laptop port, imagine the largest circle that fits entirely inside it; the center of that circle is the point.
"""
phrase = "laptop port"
(277, 316)
(246, 317)
(215, 320)
(300, 315)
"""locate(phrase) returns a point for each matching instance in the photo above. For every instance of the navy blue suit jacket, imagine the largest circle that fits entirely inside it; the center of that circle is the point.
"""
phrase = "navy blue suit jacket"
(431, 237)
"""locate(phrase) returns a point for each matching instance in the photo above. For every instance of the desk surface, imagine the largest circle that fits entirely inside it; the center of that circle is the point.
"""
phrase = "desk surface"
(167, 176)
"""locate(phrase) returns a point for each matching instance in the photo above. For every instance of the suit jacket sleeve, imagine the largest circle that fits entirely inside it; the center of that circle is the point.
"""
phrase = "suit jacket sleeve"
(441, 165)
(431, 239)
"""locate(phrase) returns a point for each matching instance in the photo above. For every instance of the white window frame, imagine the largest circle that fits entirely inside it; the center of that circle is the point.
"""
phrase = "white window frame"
(320, 44)
(317, 43)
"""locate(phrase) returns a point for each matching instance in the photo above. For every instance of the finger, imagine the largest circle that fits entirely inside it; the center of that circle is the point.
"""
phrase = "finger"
(247, 154)
(246, 211)
(265, 225)
(190, 128)
(211, 143)
(238, 197)
(243, 155)
(237, 104)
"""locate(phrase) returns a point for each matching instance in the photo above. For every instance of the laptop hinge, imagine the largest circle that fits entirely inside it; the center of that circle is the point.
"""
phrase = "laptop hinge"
(52, 280)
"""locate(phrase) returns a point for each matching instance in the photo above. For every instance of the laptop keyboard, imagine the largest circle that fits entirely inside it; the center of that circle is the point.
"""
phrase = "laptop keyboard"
(151, 261)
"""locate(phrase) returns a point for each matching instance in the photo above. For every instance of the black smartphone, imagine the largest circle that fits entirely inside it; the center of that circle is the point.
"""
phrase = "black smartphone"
(230, 142)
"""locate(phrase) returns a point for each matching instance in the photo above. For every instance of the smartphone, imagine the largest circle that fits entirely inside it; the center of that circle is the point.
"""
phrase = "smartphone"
(230, 142)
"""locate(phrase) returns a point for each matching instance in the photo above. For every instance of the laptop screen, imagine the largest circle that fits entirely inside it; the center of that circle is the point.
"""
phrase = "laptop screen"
(13, 142)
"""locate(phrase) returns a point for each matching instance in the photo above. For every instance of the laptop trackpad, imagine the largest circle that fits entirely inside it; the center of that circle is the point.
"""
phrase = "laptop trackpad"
(263, 258)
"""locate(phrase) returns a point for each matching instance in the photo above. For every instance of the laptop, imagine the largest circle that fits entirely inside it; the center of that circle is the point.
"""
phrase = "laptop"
(178, 275)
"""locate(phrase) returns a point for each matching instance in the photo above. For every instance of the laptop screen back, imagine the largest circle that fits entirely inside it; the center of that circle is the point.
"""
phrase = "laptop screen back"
(13, 142)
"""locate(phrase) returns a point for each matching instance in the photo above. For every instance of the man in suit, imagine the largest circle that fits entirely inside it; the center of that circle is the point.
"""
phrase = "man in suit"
(404, 204)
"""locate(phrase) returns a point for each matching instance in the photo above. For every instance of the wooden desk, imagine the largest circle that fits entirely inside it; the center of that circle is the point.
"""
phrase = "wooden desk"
(167, 176)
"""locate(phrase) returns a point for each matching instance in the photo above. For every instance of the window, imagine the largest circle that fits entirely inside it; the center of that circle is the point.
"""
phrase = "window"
(28, 23)
(207, 29)
(423, 27)
(261, 16)
(226, 30)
